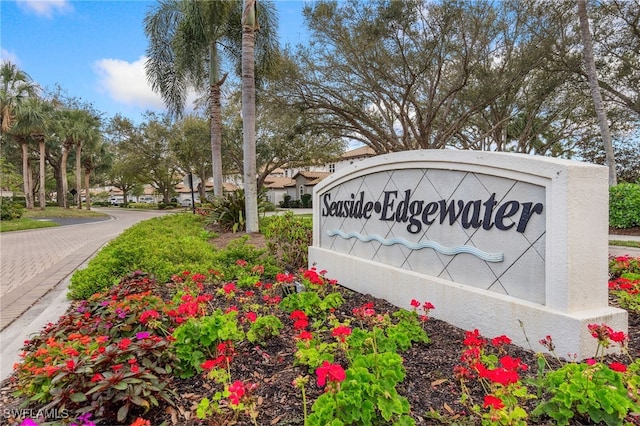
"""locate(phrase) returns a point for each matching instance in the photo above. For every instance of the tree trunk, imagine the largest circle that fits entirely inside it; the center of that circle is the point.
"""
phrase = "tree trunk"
(63, 175)
(79, 173)
(28, 190)
(216, 120)
(249, 115)
(87, 175)
(592, 76)
(42, 195)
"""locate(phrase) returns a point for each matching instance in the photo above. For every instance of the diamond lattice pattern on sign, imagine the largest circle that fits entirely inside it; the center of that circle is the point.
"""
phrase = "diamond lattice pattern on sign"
(396, 222)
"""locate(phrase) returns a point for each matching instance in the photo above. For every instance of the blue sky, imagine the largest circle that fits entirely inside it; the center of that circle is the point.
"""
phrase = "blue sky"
(94, 49)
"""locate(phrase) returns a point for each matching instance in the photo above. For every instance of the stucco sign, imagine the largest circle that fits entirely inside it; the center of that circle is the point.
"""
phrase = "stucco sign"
(494, 238)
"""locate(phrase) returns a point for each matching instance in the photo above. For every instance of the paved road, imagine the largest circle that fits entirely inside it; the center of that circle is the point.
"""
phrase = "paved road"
(35, 266)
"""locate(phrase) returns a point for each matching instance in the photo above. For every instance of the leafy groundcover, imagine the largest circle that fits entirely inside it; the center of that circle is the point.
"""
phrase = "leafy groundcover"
(233, 347)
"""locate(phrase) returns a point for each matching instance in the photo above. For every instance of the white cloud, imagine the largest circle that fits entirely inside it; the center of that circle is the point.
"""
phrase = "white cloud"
(46, 8)
(7, 56)
(126, 83)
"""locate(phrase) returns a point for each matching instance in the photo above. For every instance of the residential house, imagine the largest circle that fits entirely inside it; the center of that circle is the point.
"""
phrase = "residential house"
(296, 182)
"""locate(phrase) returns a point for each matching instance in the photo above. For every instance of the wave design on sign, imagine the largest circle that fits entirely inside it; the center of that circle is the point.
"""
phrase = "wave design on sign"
(449, 251)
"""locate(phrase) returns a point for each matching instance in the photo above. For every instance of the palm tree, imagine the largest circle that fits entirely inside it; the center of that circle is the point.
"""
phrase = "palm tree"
(89, 132)
(75, 127)
(17, 88)
(28, 127)
(184, 40)
(184, 37)
(249, 28)
(592, 76)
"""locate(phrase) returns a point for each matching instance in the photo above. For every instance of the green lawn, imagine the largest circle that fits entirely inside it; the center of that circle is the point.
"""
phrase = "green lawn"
(31, 218)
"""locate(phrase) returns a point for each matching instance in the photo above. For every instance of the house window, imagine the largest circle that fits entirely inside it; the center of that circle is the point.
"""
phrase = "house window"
(301, 191)
(332, 168)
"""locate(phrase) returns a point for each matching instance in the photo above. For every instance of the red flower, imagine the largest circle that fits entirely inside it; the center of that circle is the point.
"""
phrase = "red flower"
(472, 338)
(124, 344)
(229, 288)
(332, 372)
(415, 303)
(241, 262)
(237, 391)
(298, 315)
(616, 366)
(300, 324)
(305, 335)
(285, 278)
(427, 306)
(341, 332)
(500, 340)
(210, 364)
(493, 402)
(591, 361)
(71, 365)
(251, 316)
(147, 315)
(116, 367)
(618, 337)
(97, 377)
(313, 276)
(512, 364)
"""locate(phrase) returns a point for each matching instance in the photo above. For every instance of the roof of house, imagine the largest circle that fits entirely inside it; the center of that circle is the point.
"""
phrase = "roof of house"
(363, 151)
(277, 182)
(312, 175)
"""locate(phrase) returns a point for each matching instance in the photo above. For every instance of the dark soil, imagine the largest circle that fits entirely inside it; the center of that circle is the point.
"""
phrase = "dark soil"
(634, 232)
(430, 385)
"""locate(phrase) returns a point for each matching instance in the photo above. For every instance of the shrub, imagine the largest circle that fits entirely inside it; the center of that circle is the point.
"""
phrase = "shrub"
(229, 211)
(288, 237)
(624, 205)
(164, 246)
(306, 200)
(10, 210)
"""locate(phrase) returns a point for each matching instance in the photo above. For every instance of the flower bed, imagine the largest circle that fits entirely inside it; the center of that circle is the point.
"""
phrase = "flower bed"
(225, 347)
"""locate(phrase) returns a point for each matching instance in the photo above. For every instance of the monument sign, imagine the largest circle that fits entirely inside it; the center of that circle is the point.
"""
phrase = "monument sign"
(506, 243)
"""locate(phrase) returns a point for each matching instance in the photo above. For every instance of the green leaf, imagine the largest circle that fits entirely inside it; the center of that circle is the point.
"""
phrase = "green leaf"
(78, 397)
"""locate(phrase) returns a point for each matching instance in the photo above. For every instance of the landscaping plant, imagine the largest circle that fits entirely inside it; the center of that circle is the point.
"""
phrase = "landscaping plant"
(227, 327)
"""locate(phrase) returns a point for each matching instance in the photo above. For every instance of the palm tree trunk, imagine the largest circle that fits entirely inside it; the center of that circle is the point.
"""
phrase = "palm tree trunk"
(87, 175)
(79, 173)
(592, 76)
(63, 175)
(249, 115)
(216, 119)
(41, 195)
(26, 177)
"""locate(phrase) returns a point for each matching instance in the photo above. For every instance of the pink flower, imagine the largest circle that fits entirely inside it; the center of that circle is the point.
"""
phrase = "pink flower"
(591, 361)
(330, 372)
